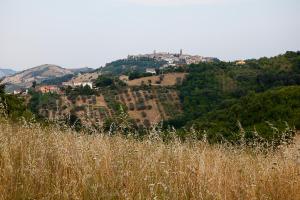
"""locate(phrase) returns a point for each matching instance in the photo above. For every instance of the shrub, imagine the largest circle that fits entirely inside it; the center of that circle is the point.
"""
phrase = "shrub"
(131, 106)
(146, 123)
(140, 106)
(143, 114)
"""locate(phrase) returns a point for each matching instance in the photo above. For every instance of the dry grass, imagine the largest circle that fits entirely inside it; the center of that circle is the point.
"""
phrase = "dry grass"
(50, 164)
(168, 80)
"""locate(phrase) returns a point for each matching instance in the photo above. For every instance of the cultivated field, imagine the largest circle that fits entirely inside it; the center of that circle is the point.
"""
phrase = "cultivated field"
(162, 80)
(38, 163)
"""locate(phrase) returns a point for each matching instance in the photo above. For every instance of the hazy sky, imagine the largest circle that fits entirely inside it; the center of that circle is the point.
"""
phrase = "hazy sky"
(79, 33)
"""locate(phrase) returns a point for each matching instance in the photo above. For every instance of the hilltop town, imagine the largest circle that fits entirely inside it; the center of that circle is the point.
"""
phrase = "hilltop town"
(175, 59)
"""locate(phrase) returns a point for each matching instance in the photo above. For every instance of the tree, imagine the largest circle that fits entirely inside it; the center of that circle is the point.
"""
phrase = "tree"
(33, 84)
(104, 81)
(2, 89)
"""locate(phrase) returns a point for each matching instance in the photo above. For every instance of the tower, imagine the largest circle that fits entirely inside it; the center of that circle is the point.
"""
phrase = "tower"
(180, 52)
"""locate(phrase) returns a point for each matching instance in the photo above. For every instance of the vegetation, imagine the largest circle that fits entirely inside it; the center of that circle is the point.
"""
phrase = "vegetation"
(215, 96)
(109, 82)
(104, 81)
(57, 80)
(218, 99)
(136, 74)
(256, 113)
(46, 101)
(51, 163)
(231, 113)
(126, 66)
(13, 106)
(109, 97)
(73, 93)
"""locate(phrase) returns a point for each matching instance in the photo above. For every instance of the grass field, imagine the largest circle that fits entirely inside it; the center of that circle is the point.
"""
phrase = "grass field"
(37, 163)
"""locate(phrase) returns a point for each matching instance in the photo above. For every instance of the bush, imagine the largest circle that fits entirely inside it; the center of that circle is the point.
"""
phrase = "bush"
(146, 123)
(131, 106)
(140, 106)
(143, 114)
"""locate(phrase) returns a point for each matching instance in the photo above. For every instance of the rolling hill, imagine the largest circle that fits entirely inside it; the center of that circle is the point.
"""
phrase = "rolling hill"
(6, 72)
(24, 79)
(208, 97)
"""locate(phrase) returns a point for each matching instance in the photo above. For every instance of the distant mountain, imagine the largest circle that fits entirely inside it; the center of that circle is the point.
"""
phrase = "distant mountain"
(6, 72)
(24, 79)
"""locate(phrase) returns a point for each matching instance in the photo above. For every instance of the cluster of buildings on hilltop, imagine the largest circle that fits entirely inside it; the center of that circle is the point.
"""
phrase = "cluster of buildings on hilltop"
(78, 84)
(174, 59)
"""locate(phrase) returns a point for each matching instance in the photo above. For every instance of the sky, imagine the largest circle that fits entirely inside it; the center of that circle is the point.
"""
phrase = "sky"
(90, 33)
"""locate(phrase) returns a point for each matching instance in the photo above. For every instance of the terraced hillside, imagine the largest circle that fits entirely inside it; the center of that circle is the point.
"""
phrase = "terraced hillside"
(145, 104)
(170, 79)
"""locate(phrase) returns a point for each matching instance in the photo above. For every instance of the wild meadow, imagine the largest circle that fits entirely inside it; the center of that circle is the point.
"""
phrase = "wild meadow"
(52, 163)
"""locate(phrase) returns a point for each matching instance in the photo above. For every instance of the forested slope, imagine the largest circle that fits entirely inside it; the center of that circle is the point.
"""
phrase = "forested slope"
(212, 89)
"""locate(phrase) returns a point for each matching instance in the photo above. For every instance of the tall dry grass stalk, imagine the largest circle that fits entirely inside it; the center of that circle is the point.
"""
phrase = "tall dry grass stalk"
(39, 163)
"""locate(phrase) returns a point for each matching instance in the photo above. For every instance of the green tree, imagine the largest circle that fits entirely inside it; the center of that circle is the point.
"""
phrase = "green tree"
(104, 81)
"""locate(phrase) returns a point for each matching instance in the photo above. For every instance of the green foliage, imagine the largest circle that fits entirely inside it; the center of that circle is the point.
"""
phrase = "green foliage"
(2, 89)
(74, 122)
(215, 96)
(256, 113)
(39, 101)
(73, 93)
(109, 82)
(13, 106)
(136, 74)
(104, 81)
(109, 97)
(125, 66)
(34, 84)
(57, 80)
(120, 123)
(213, 85)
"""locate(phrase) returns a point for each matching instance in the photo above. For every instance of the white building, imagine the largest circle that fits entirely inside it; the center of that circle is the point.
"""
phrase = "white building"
(83, 84)
(77, 84)
(151, 71)
(17, 92)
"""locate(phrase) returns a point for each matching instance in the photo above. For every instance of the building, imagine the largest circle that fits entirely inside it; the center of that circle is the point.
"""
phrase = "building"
(77, 84)
(175, 59)
(83, 84)
(68, 84)
(47, 89)
(15, 92)
(151, 71)
(124, 78)
(240, 62)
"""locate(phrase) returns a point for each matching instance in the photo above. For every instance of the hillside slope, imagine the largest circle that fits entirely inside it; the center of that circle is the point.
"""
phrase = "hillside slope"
(213, 85)
(206, 96)
(256, 113)
(27, 77)
(6, 72)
